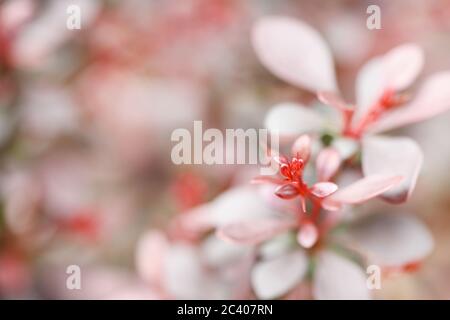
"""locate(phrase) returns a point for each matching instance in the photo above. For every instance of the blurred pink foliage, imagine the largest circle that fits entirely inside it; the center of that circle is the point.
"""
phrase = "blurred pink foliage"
(85, 172)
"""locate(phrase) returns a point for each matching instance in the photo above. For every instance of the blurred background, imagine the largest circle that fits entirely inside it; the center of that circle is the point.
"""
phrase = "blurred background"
(86, 117)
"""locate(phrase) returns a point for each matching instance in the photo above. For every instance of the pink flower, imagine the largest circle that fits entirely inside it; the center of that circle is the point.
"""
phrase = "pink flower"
(296, 53)
(323, 194)
(296, 235)
(392, 241)
(242, 215)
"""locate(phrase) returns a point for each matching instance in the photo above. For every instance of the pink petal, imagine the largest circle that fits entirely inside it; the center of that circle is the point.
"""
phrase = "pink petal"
(391, 156)
(254, 231)
(432, 99)
(338, 278)
(275, 277)
(391, 239)
(150, 252)
(327, 163)
(395, 70)
(276, 203)
(361, 190)
(302, 147)
(294, 52)
(307, 235)
(289, 119)
(287, 191)
(323, 189)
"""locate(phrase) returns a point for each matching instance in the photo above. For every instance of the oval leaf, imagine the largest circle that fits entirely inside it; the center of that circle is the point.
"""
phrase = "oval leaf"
(294, 52)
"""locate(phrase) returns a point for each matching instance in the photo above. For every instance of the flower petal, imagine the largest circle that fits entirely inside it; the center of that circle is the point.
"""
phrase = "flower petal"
(288, 119)
(254, 231)
(337, 278)
(323, 189)
(287, 191)
(308, 235)
(327, 163)
(275, 277)
(391, 156)
(294, 52)
(391, 239)
(432, 99)
(361, 190)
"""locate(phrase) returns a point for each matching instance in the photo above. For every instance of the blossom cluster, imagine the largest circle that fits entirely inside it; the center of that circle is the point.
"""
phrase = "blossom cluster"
(93, 206)
(298, 234)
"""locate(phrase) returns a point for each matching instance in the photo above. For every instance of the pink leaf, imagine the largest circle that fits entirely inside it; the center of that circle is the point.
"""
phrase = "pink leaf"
(238, 204)
(327, 163)
(294, 52)
(289, 119)
(391, 156)
(254, 231)
(196, 220)
(432, 99)
(183, 260)
(338, 278)
(402, 65)
(369, 87)
(361, 190)
(275, 277)
(391, 240)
